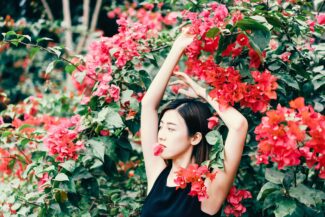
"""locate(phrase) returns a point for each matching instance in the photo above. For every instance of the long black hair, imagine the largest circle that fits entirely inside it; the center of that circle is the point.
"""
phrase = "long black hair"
(195, 114)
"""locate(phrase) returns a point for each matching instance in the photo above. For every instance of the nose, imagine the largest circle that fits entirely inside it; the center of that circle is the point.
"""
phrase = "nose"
(161, 135)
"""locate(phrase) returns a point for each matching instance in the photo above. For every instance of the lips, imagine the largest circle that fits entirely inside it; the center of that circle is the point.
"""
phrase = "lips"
(158, 149)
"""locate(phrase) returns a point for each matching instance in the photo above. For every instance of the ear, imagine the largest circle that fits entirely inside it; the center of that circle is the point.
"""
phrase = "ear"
(196, 138)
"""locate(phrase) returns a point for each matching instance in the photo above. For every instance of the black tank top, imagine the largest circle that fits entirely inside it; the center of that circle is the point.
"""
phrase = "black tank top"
(164, 201)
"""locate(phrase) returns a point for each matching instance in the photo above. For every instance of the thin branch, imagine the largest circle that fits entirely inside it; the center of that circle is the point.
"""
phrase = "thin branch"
(95, 15)
(47, 10)
(67, 24)
(27, 202)
(320, 7)
(85, 23)
(22, 152)
(45, 49)
(93, 24)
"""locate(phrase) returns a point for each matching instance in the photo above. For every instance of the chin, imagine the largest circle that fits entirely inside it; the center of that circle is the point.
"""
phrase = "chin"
(165, 156)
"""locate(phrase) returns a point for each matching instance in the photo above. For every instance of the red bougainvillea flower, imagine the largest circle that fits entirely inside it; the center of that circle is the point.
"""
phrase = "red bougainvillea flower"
(42, 181)
(9, 165)
(273, 44)
(228, 87)
(235, 196)
(255, 60)
(5, 159)
(321, 18)
(285, 56)
(287, 135)
(196, 176)
(104, 132)
(158, 149)
(258, 95)
(212, 122)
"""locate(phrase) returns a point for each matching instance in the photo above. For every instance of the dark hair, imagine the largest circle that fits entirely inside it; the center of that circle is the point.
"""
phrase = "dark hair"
(195, 114)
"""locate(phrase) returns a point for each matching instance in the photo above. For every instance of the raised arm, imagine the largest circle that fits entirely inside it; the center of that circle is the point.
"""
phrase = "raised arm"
(149, 106)
(237, 125)
(158, 86)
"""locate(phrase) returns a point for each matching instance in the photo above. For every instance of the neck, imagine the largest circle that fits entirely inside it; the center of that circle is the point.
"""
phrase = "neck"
(182, 161)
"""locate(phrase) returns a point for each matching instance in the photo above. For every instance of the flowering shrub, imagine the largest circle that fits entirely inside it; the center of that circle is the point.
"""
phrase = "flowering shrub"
(196, 176)
(234, 198)
(289, 134)
(78, 153)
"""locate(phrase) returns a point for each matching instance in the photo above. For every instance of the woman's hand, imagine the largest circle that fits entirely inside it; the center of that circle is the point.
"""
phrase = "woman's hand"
(184, 39)
(194, 90)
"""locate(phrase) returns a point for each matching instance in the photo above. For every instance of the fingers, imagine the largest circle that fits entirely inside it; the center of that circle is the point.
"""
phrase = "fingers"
(178, 82)
(185, 78)
(188, 93)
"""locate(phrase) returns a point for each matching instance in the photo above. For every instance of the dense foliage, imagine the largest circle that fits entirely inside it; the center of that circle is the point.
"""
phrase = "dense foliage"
(73, 148)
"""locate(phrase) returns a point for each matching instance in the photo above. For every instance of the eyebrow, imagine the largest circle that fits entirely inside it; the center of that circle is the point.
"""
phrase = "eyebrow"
(171, 123)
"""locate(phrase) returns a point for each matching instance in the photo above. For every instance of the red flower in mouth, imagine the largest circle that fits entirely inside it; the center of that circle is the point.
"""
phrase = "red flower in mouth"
(158, 149)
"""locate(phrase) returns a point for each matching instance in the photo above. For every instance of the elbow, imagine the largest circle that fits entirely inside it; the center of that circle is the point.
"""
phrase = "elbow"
(145, 104)
(241, 125)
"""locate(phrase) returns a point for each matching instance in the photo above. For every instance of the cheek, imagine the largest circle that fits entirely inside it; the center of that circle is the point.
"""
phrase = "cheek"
(177, 142)
(178, 137)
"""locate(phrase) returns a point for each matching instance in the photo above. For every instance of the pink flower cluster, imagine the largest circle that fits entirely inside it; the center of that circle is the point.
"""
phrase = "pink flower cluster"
(195, 175)
(234, 198)
(109, 92)
(7, 157)
(286, 135)
(61, 140)
(130, 42)
(201, 23)
(145, 15)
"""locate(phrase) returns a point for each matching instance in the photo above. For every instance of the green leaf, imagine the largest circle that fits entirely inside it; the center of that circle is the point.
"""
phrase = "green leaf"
(69, 69)
(273, 20)
(214, 137)
(98, 148)
(126, 96)
(50, 67)
(56, 51)
(24, 126)
(33, 51)
(96, 163)
(61, 177)
(260, 35)
(28, 37)
(28, 169)
(266, 189)
(285, 208)
(212, 32)
(6, 34)
(271, 199)
(307, 195)
(80, 76)
(113, 120)
(145, 78)
(274, 176)
(68, 165)
(5, 134)
(44, 39)
(289, 80)
(24, 142)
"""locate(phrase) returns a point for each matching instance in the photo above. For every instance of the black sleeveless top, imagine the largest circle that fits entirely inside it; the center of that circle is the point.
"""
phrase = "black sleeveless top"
(164, 201)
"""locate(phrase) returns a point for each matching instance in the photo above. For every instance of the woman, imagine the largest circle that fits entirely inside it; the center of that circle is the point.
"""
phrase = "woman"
(182, 129)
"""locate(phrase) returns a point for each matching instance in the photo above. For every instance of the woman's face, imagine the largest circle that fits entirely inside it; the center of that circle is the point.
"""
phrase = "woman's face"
(173, 135)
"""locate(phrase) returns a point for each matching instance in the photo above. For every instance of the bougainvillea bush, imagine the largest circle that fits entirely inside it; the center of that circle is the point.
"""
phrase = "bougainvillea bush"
(78, 153)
